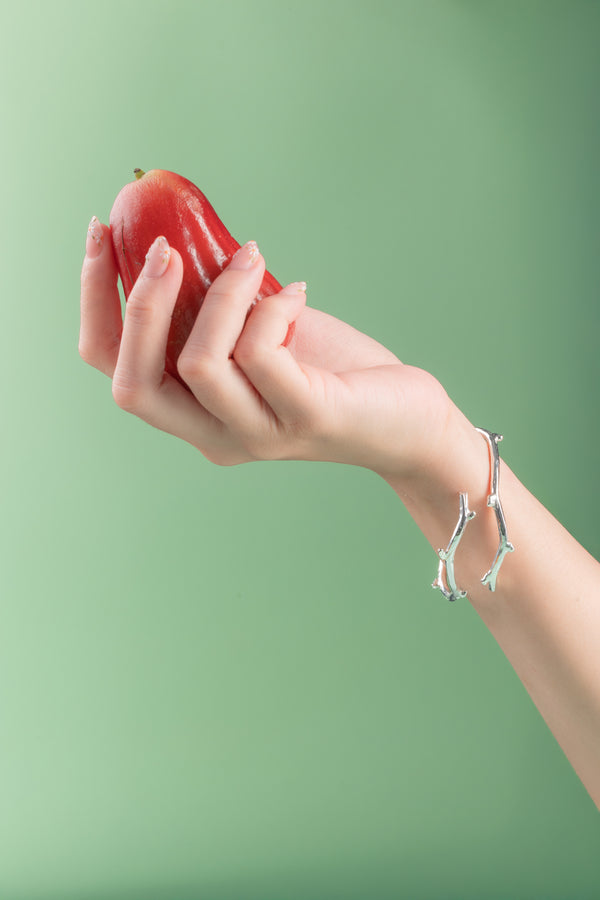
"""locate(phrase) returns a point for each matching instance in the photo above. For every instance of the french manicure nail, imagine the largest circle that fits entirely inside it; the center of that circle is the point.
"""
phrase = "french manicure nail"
(94, 239)
(246, 256)
(296, 287)
(157, 258)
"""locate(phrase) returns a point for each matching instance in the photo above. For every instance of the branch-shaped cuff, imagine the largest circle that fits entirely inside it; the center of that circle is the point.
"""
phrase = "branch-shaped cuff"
(446, 566)
(493, 501)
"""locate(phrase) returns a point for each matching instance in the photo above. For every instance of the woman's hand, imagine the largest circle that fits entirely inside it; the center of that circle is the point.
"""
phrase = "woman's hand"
(333, 394)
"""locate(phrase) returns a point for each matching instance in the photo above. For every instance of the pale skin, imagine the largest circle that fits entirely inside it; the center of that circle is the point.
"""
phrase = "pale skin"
(335, 394)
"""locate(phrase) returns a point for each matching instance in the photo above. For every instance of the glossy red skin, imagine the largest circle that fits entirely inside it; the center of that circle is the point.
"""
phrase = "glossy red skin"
(163, 203)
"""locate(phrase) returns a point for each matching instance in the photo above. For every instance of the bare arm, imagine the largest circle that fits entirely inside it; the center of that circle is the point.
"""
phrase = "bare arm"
(334, 394)
(545, 611)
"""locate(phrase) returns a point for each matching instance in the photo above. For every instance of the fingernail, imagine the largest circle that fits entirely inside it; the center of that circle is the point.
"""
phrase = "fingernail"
(94, 239)
(296, 287)
(157, 258)
(246, 256)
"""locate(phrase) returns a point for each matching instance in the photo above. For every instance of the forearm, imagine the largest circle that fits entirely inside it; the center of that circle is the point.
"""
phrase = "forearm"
(545, 611)
(346, 398)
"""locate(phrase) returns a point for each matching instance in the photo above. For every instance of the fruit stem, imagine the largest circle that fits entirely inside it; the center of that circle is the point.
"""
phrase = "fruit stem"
(138, 173)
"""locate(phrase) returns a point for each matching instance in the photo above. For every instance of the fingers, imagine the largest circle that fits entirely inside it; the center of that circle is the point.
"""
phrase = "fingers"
(236, 362)
(322, 340)
(226, 306)
(248, 393)
(141, 362)
(206, 363)
(239, 367)
(265, 360)
(101, 321)
(140, 384)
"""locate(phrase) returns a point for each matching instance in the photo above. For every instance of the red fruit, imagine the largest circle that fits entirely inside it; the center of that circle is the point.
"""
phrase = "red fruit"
(160, 202)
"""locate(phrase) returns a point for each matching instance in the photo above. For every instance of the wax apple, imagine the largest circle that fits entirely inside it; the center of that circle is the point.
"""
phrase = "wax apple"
(160, 202)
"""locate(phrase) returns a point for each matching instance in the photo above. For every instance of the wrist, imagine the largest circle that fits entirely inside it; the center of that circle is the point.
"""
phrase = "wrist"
(459, 465)
(456, 461)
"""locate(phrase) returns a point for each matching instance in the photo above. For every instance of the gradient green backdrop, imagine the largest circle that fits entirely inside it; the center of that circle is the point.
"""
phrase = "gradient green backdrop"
(238, 683)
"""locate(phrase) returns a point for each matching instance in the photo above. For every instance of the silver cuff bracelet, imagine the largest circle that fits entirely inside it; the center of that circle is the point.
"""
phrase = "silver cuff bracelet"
(445, 581)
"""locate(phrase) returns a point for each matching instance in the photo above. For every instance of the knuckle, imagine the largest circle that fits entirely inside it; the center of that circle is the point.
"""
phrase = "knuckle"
(245, 353)
(129, 395)
(197, 368)
(96, 358)
(99, 356)
(222, 293)
(252, 354)
(220, 289)
(88, 354)
(140, 308)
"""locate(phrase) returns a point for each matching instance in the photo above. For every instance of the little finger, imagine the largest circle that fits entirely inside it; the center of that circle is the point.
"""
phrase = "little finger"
(266, 361)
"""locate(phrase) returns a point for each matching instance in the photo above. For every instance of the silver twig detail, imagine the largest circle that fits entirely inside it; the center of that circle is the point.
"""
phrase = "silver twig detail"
(493, 501)
(450, 590)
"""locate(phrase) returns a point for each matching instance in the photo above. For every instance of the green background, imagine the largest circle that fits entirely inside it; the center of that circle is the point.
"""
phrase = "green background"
(238, 683)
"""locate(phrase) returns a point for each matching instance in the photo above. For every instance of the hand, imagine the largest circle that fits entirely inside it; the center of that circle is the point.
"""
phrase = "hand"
(333, 394)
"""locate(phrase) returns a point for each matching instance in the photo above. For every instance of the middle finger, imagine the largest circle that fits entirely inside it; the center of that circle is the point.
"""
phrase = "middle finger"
(206, 362)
